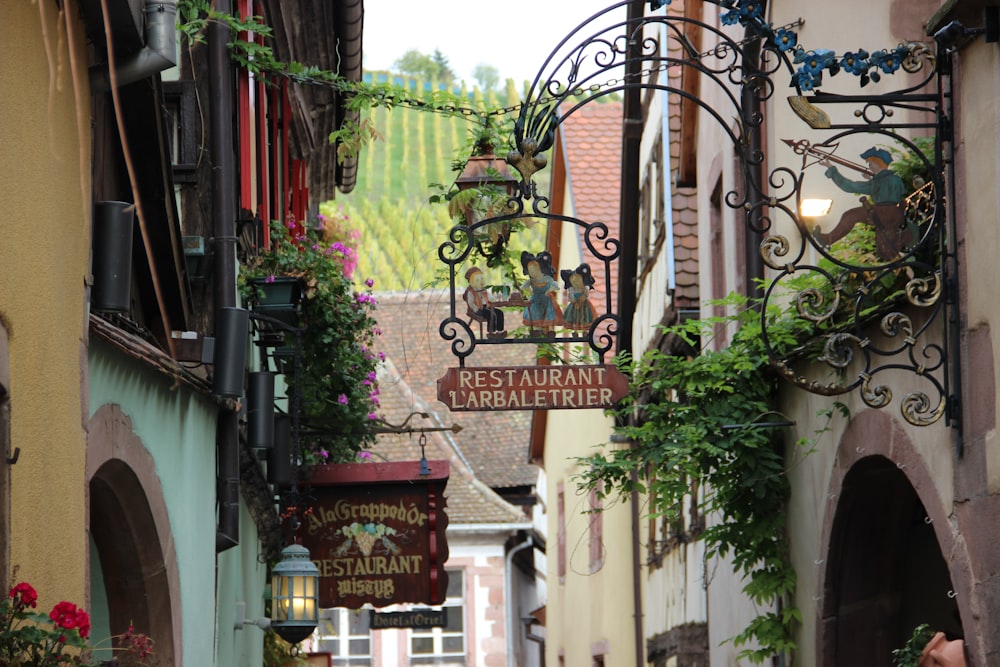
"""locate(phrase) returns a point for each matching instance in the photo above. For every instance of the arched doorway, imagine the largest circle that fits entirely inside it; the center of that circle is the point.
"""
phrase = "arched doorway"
(131, 536)
(885, 573)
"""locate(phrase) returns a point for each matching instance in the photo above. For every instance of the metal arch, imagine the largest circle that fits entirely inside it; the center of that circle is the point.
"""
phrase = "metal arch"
(561, 82)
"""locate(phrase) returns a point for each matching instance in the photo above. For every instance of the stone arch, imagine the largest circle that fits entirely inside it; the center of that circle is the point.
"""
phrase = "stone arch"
(130, 527)
(891, 558)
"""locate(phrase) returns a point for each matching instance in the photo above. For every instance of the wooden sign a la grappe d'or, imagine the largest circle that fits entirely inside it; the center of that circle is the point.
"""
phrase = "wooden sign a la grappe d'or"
(377, 533)
(542, 387)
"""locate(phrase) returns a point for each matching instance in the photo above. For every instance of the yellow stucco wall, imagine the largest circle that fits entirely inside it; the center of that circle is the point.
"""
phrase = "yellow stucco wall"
(45, 166)
(590, 611)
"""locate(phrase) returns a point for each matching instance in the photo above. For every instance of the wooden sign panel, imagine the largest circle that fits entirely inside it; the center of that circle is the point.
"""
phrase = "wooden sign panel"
(542, 387)
(376, 531)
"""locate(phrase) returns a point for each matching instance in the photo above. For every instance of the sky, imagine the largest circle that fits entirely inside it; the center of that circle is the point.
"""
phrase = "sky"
(514, 36)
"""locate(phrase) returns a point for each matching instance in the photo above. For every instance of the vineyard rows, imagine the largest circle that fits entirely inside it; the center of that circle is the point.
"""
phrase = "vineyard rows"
(400, 229)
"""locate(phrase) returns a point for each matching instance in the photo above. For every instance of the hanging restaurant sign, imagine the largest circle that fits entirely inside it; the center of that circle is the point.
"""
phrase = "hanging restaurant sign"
(542, 387)
(376, 531)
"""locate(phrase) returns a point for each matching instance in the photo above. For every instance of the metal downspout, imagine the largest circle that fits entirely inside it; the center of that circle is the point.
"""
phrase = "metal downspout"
(224, 240)
(160, 52)
(631, 138)
(508, 595)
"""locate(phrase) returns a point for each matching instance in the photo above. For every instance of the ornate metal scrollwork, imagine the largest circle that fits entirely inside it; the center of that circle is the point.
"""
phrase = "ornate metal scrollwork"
(873, 283)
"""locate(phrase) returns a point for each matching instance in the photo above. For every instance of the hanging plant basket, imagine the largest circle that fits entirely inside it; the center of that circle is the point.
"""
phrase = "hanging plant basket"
(278, 297)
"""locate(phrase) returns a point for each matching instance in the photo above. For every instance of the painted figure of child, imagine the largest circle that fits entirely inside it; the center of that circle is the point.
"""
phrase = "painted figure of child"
(477, 300)
(579, 312)
(542, 314)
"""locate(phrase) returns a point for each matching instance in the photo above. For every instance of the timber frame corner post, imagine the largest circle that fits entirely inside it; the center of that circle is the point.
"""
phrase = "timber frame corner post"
(872, 311)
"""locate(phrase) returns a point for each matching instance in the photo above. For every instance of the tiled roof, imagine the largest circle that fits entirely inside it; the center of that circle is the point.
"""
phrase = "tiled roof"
(683, 199)
(469, 500)
(592, 145)
(495, 444)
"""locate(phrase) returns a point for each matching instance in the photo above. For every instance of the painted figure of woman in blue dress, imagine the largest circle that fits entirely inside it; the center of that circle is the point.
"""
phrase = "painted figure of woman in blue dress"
(542, 314)
(579, 312)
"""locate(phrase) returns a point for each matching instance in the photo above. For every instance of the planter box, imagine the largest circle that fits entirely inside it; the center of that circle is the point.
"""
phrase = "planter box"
(278, 298)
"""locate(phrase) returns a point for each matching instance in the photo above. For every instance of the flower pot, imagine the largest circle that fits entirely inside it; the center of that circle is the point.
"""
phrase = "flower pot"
(112, 252)
(278, 297)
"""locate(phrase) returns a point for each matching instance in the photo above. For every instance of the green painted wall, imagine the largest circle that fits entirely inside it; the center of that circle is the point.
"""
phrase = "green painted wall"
(177, 427)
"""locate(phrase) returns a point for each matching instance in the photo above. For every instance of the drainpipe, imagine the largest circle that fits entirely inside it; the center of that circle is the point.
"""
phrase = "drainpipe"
(160, 52)
(631, 138)
(224, 245)
(508, 594)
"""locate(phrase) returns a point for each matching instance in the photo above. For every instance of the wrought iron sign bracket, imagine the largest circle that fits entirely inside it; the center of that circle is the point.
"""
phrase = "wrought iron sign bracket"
(871, 289)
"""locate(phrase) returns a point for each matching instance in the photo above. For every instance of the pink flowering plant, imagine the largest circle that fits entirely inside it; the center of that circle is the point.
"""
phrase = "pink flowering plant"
(337, 381)
(29, 638)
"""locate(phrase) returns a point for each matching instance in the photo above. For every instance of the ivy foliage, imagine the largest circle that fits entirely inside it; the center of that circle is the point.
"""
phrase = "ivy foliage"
(910, 653)
(704, 417)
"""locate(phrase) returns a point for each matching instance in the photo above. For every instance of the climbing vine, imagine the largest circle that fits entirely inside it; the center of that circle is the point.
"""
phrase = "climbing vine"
(709, 417)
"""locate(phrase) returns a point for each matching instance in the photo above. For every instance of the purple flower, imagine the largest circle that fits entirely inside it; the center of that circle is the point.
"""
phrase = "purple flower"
(342, 399)
(364, 456)
(370, 282)
(372, 375)
(325, 454)
(381, 356)
(372, 416)
(269, 279)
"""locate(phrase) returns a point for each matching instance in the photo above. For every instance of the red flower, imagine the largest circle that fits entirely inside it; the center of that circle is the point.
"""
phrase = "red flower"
(68, 616)
(24, 595)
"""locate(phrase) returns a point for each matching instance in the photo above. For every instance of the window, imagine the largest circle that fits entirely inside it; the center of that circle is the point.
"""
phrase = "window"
(443, 646)
(345, 634)
(182, 128)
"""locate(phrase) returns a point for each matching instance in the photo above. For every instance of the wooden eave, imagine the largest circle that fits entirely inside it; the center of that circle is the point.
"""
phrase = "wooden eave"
(327, 35)
(141, 107)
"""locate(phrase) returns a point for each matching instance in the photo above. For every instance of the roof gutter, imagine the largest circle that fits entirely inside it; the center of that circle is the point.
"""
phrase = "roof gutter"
(473, 528)
(159, 54)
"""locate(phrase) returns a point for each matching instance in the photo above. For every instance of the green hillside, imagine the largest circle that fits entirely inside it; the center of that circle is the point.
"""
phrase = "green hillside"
(400, 229)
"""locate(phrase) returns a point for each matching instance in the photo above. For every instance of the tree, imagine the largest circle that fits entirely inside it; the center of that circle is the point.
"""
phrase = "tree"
(445, 73)
(433, 67)
(419, 65)
(487, 76)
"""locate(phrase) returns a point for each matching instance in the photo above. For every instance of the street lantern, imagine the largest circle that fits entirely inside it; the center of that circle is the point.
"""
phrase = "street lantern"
(485, 188)
(294, 603)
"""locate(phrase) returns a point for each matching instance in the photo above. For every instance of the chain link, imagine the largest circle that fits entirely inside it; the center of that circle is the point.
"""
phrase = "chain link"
(452, 109)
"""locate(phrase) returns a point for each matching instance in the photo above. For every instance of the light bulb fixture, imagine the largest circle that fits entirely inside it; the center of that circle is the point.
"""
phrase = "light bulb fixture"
(294, 595)
(815, 208)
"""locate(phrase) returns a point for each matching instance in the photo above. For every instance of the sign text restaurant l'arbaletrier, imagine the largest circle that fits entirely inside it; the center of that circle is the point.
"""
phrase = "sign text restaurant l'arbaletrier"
(542, 387)
(376, 531)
